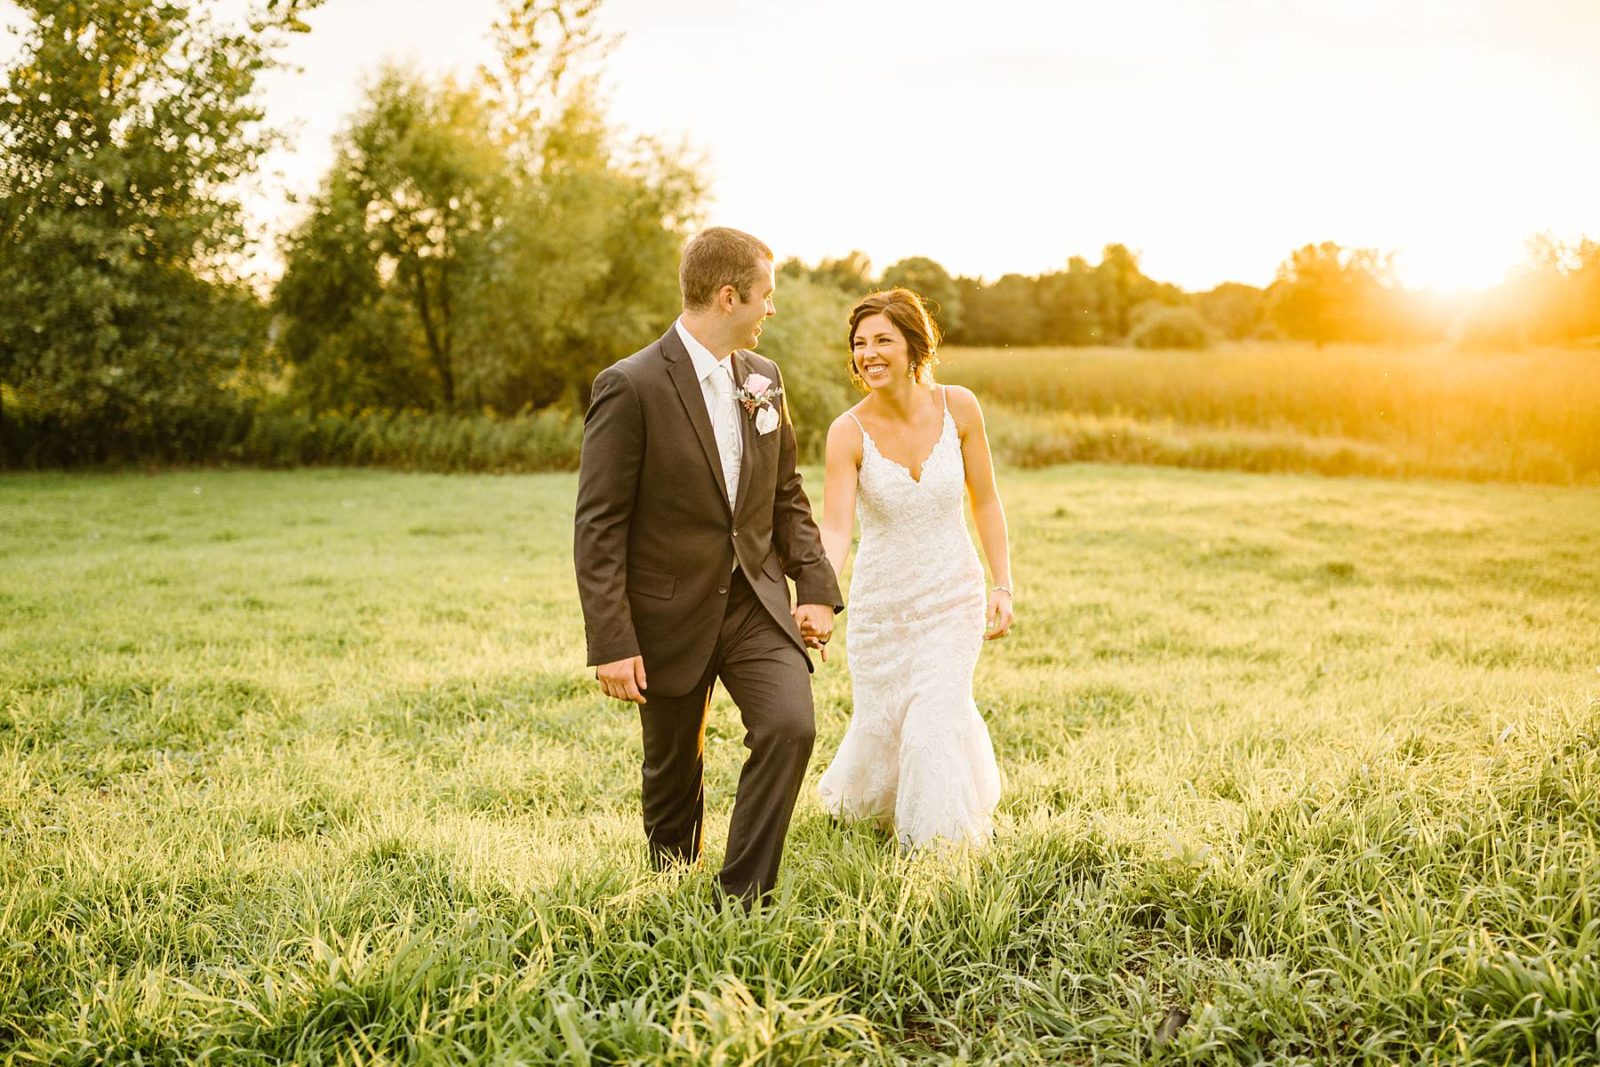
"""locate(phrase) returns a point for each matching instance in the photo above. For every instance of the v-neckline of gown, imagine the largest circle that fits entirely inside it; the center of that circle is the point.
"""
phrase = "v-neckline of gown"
(922, 468)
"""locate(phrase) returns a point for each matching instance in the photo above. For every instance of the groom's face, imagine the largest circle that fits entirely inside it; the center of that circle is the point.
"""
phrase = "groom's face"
(748, 315)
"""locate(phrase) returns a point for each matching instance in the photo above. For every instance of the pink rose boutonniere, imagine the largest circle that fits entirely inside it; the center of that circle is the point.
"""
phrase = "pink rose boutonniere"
(758, 394)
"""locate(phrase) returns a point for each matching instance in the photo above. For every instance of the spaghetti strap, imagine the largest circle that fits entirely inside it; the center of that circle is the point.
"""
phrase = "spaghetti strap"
(944, 395)
(857, 421)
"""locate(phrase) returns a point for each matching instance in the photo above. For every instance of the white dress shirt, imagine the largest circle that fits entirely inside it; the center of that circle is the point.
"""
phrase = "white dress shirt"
(730, 445)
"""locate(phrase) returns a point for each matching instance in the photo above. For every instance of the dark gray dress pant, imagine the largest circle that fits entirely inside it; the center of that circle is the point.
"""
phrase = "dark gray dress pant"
(768, 679)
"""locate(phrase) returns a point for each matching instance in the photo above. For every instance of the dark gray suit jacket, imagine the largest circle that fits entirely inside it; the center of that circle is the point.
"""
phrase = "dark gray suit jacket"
(655, 539)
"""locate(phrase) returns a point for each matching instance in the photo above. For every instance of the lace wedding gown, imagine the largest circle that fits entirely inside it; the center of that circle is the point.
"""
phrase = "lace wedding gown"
(916, 751)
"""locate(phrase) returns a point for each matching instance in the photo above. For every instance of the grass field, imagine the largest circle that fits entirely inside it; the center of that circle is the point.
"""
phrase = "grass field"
(305, 766)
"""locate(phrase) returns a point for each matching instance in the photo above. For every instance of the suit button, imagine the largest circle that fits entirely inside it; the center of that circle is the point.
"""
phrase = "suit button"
(722, 589)
(736, 531)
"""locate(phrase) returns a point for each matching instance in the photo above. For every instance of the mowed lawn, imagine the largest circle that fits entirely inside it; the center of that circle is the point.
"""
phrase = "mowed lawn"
(306, 766)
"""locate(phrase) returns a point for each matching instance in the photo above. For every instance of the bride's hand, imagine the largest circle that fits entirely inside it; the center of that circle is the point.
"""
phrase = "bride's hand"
(816, 626)
(999, 617)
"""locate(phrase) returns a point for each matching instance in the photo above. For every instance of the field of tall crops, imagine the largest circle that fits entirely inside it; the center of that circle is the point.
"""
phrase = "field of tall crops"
(1512, 416)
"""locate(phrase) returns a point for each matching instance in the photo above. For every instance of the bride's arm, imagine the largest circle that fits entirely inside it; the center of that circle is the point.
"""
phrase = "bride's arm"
(839, 491)
(988, 514)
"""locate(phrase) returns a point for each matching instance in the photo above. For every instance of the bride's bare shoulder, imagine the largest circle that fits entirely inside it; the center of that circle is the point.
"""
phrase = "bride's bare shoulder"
(963, 404)
(845, 432)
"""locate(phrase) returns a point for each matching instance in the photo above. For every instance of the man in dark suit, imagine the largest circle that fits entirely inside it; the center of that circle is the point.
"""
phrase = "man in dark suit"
(689, 515)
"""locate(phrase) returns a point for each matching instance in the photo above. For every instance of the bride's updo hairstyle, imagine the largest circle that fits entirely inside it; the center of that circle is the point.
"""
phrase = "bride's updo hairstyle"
(910, 316)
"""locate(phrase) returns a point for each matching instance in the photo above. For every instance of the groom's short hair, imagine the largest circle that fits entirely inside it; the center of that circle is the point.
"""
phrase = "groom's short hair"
(717, 257)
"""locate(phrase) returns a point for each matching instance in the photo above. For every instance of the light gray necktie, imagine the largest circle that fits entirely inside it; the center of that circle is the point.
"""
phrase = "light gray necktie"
(726, 427)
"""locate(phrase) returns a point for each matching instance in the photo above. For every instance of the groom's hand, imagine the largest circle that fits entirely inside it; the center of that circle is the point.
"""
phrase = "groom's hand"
(816, 626)
(623, 679)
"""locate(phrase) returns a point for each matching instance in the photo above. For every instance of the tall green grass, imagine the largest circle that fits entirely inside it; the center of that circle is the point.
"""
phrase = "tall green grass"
(304, 766)
(1515, 416)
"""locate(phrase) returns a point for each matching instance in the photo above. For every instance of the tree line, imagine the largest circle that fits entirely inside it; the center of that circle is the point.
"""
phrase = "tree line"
(1321, 293)
(479, 248)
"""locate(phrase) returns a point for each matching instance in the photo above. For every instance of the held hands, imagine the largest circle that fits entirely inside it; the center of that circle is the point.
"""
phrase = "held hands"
(816, 626)
(998, 618)
(623, 679)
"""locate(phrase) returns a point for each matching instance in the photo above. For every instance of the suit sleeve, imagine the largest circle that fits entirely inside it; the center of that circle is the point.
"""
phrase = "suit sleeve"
(608, 474)
(794, 531)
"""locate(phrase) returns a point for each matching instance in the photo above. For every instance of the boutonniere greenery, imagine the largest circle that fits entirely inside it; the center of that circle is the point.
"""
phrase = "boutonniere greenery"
(759, 395)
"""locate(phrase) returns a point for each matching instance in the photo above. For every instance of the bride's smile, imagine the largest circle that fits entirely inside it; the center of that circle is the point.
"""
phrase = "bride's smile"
(879, 352)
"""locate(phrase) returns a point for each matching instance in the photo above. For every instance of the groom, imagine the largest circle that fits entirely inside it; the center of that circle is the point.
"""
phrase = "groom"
(689, 515)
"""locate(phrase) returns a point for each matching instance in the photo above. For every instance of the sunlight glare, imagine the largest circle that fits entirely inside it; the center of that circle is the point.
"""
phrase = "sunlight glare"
(1456, 262)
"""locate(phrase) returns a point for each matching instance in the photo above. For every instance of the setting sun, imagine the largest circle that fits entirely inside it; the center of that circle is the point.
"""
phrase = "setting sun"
(1456, 262)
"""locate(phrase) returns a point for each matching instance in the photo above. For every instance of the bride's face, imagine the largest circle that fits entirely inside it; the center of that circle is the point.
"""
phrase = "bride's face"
(880, 352)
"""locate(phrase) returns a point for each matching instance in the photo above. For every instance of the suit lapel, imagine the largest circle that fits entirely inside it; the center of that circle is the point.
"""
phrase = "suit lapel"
(680, 368)
(747, 428)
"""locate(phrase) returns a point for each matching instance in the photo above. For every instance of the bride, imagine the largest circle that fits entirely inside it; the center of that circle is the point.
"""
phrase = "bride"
(916, 756)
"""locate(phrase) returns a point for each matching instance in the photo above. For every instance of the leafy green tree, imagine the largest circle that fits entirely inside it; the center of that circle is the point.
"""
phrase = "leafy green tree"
(1158, 325)
(1122, 287)
(1004, 313)
(124, 126)
(1327, 293)
(807, 338)
(933, 283)
(493, 236)
(1233, 310)
(850, 274)
(1070, 306)
(416, 184)
(543, 46)
(351, 339)
(1584, 278)
(583, 269)
(1557, 291)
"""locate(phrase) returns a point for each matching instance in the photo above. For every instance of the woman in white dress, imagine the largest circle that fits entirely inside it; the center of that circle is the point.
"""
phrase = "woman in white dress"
(916, 756)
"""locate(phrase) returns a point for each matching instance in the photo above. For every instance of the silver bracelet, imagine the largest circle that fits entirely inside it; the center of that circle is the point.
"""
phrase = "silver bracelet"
(1006, 589)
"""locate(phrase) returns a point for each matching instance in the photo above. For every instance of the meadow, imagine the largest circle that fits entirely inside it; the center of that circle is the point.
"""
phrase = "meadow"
(305, 766)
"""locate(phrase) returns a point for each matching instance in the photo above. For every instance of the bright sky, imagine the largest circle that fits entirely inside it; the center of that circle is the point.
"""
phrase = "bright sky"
(1213, 136)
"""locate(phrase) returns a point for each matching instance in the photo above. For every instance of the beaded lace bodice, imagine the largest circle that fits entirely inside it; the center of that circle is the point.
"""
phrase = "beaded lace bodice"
(914, 546)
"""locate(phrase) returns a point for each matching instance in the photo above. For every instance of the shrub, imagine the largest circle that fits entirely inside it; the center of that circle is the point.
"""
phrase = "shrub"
(273, 436)
(1170, 327)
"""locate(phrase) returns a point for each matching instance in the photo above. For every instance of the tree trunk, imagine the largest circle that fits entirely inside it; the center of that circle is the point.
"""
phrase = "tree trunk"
(438, 348)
